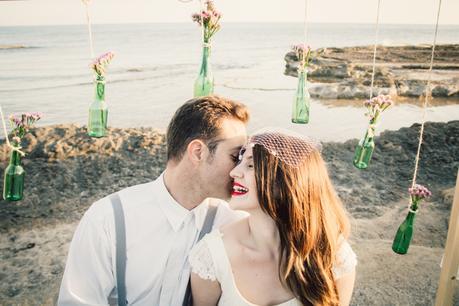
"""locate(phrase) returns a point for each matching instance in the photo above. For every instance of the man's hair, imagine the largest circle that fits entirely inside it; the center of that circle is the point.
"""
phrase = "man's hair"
(201, 118)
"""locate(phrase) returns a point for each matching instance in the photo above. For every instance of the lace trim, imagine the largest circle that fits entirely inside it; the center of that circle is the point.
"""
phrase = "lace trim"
(201, 261)
(346, 260)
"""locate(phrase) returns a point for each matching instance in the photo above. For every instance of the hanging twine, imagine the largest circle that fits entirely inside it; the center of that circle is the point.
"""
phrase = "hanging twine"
(305, 30)
(88, 21)
(12, 148)
(374, 50)
(426, 100)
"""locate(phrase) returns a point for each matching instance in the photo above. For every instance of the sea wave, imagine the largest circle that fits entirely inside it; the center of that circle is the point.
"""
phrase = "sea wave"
(15, 47)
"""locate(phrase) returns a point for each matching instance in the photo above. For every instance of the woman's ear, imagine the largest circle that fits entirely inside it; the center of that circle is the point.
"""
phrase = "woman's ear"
(196, 151)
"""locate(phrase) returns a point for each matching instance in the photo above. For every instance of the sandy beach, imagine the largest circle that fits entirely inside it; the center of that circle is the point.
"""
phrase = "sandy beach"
(67, 171)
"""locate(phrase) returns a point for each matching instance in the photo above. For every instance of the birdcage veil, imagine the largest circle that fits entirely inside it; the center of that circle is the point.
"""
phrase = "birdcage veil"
(290, 147)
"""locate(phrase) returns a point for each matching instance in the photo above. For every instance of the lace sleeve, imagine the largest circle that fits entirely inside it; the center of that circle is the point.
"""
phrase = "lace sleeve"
(201, 261)
(346, 260)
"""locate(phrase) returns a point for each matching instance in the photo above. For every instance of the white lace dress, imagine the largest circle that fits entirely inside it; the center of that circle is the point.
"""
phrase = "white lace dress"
(209, 260)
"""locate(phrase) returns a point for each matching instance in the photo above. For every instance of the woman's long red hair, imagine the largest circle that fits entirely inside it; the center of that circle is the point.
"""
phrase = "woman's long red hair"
(310, 219)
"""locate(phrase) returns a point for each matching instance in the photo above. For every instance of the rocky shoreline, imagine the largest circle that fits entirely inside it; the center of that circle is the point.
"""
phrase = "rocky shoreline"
(67, 171)
(402, 71)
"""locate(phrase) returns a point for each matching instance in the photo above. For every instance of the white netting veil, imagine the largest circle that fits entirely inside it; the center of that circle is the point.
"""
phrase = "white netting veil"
(290, 147)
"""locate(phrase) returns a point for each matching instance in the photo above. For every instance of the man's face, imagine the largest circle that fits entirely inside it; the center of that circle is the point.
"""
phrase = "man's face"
(214, 173)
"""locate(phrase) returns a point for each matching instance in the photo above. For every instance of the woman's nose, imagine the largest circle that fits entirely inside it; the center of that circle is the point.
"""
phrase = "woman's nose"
(236, 173)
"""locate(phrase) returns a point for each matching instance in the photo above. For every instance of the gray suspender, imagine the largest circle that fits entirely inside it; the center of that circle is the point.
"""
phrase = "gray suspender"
(120, 231)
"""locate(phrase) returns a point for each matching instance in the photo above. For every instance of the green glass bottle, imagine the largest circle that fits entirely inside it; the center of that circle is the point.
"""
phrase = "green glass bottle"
(204, 84)
(13, 183)
(404, 234)
(365, 148)
(98, 111)
(300, 111)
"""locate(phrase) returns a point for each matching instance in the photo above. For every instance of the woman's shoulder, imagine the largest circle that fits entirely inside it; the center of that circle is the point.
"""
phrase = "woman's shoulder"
(346, 259)
(208, 258)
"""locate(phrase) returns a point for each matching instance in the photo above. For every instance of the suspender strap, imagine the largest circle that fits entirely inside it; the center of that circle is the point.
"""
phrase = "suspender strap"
(206, 228)
(208, 221)
(120, 248)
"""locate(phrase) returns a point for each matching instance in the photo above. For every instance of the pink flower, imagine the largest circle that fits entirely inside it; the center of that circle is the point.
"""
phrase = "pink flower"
(303, 53)
(209, 19)
(419, 191)
(377, 105)
(100, 63)
(21, 123)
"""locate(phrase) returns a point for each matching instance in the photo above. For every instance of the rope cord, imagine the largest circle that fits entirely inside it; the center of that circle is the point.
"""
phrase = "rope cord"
(427, 97)
(374, 49)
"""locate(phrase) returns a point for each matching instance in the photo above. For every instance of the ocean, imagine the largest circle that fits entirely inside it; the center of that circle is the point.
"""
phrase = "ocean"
(155, 66)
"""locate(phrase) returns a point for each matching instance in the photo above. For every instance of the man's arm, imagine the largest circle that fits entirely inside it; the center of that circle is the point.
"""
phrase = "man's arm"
(88, 277)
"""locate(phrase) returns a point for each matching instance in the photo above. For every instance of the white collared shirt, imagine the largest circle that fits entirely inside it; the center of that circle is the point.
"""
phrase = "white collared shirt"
(159, 235)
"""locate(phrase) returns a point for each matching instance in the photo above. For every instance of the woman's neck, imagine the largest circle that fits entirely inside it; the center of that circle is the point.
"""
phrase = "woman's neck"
(263, 233)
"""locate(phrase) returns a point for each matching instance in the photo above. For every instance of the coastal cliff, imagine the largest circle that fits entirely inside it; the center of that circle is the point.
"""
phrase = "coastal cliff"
(345, 73)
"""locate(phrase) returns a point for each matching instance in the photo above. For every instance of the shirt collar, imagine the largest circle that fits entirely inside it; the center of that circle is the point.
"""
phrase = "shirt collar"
(174, 212)
(200, 213)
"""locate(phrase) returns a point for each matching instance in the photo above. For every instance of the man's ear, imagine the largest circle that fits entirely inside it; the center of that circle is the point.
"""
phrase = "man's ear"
(196, 151)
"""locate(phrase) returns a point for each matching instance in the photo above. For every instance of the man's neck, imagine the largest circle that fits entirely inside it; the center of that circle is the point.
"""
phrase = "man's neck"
(182, 186)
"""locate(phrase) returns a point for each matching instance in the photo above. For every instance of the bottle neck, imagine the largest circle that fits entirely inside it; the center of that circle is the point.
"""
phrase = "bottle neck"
(410, 216)
(301, 81)
(99, 90)
(371, 129)
(15, 158)
(302, 73)
(205, 59)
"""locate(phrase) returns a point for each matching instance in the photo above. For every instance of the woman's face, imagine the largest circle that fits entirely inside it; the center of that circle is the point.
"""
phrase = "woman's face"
(244, 192)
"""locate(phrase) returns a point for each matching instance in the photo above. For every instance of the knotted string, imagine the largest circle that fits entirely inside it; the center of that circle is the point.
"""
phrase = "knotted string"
(12, 148)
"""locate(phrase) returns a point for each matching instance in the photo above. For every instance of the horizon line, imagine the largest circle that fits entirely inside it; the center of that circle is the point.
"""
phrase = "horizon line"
(227, 22)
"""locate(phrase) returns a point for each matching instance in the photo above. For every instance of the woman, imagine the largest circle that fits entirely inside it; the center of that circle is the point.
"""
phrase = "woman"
(292, 249)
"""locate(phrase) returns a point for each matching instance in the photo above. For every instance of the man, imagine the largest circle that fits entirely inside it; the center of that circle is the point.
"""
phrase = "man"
(162, 218)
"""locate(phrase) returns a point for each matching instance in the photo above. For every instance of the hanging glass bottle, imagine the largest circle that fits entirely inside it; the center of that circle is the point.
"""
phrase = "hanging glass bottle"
(204, 84)
(365, 147)
(300, 110)
(404, 234)
(98, 111)
(13, 183)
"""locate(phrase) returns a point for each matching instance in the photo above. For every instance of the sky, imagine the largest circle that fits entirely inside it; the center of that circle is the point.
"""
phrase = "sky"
(47, 12)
